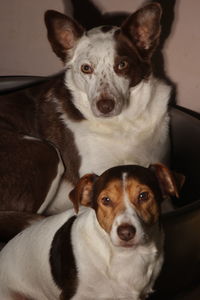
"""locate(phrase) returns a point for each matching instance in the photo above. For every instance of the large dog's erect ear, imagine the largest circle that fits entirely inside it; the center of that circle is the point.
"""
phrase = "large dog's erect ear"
(82, 192)
(63, 32)
(170, 182)
(143, 28)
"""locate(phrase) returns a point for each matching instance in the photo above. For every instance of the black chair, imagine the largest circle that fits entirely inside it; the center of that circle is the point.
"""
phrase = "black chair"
(180, 276)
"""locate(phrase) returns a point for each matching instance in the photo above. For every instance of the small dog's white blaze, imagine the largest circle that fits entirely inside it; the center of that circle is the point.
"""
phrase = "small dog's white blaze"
(129, 213)
(127, 216)
(125, 193)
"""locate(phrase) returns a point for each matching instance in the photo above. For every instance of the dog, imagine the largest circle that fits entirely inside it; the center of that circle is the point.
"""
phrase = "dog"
(106, 109)
(113, 248)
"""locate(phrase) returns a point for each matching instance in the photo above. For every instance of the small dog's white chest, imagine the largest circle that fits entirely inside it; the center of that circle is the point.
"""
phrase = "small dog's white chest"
(111, 272)
(124, 279)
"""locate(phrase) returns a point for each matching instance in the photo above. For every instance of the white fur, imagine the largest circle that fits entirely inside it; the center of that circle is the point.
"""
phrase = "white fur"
(60, 202)
(25, 261)
(139, 135)
(54, 188)
(105, 271)
(98, 50)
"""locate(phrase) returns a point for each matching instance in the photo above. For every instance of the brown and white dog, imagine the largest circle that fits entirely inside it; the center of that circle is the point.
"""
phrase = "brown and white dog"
(113, 249)
(107, 109)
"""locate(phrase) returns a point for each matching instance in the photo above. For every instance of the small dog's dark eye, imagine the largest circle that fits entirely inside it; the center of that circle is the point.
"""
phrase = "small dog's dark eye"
(87, 69)
(144, 196)
(106, 201)
(122, 65)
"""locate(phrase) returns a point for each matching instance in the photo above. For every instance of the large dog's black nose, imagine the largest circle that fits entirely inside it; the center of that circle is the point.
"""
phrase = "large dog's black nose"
(105, 106)
(126, 232)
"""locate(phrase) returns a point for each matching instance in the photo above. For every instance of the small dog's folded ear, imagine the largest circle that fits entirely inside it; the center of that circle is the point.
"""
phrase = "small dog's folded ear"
(143, 28)
(82, 192)
(170, 182)
(179, 179)
(62, 32)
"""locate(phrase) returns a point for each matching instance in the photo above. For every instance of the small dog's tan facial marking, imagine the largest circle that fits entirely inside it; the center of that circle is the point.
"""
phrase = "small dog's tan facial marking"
(143, 199)
(110, 204)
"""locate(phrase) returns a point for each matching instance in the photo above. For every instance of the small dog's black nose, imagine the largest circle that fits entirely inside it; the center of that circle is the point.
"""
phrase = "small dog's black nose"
(105, 106)
(126, 232)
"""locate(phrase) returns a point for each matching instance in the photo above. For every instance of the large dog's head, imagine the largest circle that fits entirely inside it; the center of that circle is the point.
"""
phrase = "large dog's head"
(105, 62)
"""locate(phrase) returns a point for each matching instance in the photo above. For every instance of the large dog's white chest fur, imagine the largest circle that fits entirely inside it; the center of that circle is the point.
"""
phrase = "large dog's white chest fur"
(139, 135)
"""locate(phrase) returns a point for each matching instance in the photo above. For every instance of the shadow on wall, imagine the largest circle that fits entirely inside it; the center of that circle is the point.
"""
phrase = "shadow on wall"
(167, 20)
(89, 16)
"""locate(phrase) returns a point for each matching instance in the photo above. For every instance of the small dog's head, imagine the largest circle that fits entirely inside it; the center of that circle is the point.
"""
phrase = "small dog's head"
(104, 63)
(126, 200)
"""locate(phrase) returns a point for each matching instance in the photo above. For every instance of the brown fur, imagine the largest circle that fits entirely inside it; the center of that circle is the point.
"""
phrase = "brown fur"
(147, 209)
(22, 160)
(12, 222)
(62, 40)
(106, 214)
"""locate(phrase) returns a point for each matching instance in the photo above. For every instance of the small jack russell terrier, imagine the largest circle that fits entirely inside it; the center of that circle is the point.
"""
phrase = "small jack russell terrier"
(112, 249)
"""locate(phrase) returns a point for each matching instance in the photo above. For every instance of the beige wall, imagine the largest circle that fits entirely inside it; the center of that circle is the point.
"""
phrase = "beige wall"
(182, 53)
(25, 51)
(24, 47)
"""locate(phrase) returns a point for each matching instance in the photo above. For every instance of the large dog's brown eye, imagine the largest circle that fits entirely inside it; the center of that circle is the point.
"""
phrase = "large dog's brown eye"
(122, 65)
(144, 196)
(87, 69)
(106, 201)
